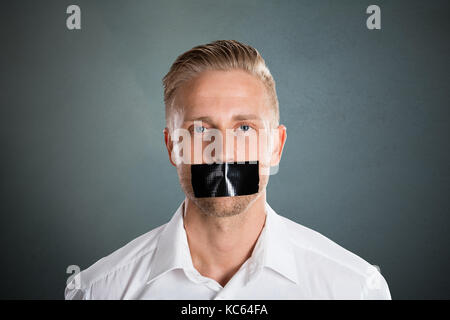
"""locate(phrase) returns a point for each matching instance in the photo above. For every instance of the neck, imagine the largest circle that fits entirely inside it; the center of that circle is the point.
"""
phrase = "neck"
(220, 245)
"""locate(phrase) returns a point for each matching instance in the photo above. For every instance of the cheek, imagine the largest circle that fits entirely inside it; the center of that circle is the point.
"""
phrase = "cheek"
(251, 148)
(184, 172)
(264, 153)
(263, 179)
(184, 175)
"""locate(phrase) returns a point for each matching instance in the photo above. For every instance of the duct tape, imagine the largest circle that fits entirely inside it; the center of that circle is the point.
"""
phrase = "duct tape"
(226, 179)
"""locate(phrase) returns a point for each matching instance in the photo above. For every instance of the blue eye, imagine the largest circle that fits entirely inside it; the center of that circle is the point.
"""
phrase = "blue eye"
(244, 127)
(199, 129)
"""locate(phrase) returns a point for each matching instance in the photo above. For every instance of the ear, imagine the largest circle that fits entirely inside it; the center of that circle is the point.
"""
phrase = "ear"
(169, 144)
(279, 140)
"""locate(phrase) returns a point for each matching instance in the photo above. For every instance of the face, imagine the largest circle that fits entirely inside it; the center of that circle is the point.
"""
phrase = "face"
(223, 116)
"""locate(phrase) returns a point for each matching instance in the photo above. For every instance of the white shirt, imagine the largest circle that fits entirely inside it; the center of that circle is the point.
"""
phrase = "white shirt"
(289, 261)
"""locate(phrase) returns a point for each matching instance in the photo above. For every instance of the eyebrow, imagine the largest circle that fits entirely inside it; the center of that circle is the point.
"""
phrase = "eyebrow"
(246, 117)
(237, 117)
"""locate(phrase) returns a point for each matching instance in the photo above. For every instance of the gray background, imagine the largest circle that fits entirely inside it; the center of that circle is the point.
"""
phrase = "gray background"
(84, 169)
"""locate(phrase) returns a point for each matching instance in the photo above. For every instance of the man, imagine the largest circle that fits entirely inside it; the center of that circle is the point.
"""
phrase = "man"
(224, 241)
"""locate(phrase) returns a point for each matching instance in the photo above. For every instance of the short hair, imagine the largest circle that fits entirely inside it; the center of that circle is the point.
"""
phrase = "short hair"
(218, 55)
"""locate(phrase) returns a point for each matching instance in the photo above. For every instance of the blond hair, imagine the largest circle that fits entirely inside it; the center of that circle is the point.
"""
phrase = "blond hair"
(218, 55)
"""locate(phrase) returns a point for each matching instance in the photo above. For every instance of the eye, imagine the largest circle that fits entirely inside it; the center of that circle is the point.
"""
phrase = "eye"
(244, 127)
(199, 129)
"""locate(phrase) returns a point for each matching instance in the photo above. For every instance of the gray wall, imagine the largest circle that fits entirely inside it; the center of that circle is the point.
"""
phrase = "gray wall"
(84, 169)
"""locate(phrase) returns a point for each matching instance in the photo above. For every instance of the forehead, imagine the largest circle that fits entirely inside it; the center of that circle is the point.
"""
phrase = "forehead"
(221, 93)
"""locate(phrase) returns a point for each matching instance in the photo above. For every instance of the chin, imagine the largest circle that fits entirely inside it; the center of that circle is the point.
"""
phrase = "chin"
(225, 206)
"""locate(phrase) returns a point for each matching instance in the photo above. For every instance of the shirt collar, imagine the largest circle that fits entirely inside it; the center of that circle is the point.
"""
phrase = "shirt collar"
(273, 248)
(279, 254)
(172, 250)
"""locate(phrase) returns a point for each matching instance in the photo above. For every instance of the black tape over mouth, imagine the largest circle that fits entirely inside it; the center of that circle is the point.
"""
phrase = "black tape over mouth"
(226, 179)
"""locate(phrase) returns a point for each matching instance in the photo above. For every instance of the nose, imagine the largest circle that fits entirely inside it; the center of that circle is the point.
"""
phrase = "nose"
(221, 149)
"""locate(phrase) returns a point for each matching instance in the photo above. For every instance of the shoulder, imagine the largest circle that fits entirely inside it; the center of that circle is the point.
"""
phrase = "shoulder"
(119, 265)
(319, 246)
(330, 265)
